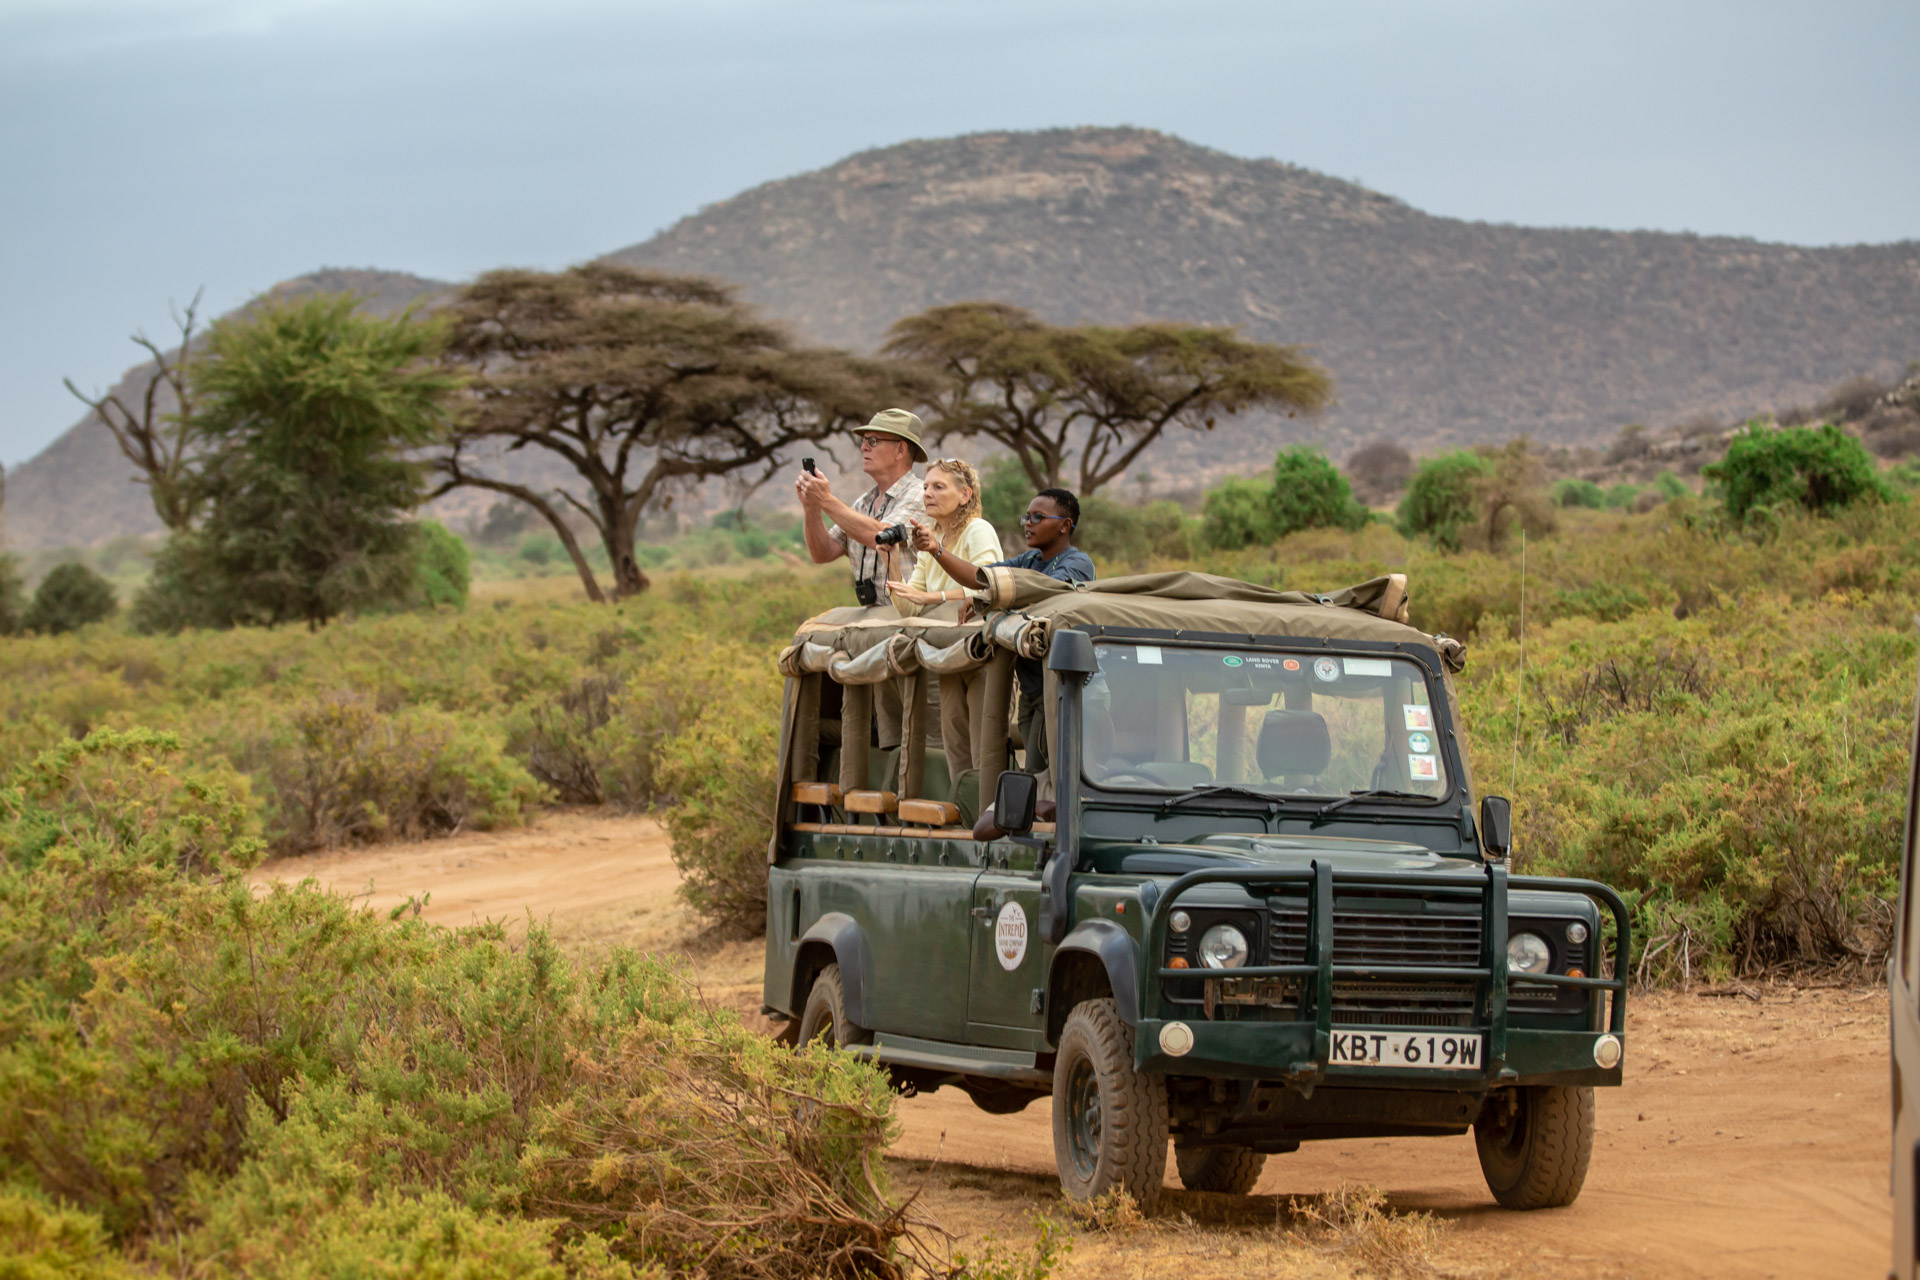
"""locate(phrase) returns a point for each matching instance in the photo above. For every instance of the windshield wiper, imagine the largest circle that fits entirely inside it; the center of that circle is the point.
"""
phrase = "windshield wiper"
(1351, 796)
(1221, 789)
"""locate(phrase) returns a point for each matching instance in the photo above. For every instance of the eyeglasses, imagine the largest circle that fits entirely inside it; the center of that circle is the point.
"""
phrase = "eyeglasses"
(1030, 517)
(874, 442)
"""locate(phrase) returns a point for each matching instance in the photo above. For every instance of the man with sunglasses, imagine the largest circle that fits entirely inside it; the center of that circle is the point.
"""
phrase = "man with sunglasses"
(1048, 525)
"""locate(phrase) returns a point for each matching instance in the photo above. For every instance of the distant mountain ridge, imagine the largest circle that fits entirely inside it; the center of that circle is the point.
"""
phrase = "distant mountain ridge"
(1437, 331)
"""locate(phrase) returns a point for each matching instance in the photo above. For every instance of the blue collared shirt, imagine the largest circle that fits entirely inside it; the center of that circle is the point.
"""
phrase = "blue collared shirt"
(1071, 565)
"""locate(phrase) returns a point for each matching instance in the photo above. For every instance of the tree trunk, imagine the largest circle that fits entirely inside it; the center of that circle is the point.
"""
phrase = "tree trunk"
(622, 525)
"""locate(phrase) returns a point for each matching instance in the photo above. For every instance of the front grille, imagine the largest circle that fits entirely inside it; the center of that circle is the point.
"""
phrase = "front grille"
(1379, 937)
(1364, 1003)
(1387, 937)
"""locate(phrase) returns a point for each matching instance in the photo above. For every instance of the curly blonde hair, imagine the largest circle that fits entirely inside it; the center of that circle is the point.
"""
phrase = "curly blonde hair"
(968, 479)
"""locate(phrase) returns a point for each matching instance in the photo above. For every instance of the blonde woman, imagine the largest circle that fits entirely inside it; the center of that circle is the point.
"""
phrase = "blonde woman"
(958, 541)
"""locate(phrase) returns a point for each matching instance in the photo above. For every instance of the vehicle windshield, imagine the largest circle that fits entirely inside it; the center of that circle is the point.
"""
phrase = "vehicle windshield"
(1169, 718)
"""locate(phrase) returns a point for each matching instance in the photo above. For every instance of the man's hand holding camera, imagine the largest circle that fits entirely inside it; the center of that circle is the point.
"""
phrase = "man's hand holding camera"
(920, 538)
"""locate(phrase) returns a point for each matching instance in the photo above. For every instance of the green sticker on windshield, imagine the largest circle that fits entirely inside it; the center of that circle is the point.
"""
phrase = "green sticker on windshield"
(1233, 660)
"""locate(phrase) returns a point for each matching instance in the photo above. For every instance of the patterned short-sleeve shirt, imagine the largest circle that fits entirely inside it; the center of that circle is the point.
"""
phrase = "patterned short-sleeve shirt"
(903, 500)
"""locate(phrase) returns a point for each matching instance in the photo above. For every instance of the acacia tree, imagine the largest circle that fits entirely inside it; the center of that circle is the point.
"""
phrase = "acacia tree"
(154, 436)
(645, 385)
(1050, 392)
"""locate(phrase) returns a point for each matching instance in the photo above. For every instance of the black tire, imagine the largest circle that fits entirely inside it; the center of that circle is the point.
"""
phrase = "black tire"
(1535, 1155)
(1228, 1170)
(825, 1016)
(1109, 1121)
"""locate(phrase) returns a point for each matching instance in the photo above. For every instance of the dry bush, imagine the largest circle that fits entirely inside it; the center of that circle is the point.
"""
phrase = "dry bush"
(1354, 1221)
(1379, 469)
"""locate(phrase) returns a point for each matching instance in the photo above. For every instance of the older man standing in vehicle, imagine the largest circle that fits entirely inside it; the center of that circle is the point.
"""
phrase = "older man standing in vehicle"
(889, 448)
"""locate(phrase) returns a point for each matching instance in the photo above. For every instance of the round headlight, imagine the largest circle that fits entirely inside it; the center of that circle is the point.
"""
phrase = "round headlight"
(1528, 953)
(1576, 933)
(1223, 947)
(1180, 921)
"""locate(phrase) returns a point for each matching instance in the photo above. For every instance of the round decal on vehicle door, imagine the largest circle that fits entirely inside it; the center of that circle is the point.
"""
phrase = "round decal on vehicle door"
(1326, 669)
(1010, 936)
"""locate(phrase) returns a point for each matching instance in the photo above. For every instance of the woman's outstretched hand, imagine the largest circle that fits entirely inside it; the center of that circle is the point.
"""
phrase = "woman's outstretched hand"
(923, 539)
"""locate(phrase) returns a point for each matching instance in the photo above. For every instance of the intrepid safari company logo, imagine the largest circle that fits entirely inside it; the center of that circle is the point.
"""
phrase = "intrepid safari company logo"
(1010, 936)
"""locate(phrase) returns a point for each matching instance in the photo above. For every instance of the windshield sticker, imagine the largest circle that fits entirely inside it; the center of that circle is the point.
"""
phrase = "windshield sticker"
(1010, 936)
(1419, 768)
(1369, 667)
(1326, 669)
(1291, 664)
(1232, 660)
(1421, 743)
(1418, 717)
(1147, 655)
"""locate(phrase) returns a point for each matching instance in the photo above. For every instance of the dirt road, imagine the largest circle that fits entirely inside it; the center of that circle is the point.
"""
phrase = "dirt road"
(1750, 1138)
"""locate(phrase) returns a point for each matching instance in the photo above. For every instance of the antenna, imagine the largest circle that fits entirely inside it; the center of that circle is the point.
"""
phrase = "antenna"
(1520, 675)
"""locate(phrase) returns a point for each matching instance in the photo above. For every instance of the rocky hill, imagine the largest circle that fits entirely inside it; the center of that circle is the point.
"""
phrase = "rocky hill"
(1436, 331)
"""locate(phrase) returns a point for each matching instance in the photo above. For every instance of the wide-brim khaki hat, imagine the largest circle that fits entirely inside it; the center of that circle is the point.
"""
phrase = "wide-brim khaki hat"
(897, 422)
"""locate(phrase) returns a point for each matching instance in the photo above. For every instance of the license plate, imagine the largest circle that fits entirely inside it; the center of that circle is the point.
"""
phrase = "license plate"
(1428, 1049)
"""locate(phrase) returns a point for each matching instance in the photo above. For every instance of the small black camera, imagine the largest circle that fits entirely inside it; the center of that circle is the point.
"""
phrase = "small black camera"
(893, 533)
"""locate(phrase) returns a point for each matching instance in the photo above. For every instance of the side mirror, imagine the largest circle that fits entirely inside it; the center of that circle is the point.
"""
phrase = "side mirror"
(1014, 800)
(1070, 652)
(1496, 826)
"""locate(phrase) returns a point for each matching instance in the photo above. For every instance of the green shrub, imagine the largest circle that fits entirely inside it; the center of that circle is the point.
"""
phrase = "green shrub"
(722, 773)
(71, 596)
(347, 773)
(1236, 514)
(39, 1241)
(1310, 493)
(1818, 469)
(1621, 497)
(299, 1087)
(1670, 486)
(442, 567)
(12, 596)
(1585, 494)
(1121, 538)
(1442, 498)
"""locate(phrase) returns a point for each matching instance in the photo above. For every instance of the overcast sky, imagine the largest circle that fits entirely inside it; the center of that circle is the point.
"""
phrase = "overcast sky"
(150, 147)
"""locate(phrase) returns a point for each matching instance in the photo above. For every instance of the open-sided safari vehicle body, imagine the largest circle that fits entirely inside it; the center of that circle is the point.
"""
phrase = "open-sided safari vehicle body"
(1268, 910)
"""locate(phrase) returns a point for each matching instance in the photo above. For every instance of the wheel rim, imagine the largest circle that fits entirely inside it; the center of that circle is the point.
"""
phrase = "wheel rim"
(1083, 1119)
(1509, 1138)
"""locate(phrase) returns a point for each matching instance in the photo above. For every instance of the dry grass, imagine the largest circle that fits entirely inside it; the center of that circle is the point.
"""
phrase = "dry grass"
(1350, 1231)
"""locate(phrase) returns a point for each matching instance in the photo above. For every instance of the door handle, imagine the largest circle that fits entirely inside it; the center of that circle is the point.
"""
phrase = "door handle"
(983, 913)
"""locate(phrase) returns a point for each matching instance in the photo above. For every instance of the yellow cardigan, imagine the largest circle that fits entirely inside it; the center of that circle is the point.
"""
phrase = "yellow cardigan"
(978, 544)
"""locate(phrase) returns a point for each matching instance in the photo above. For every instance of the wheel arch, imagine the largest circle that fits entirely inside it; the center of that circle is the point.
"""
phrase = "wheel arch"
(1098, 958)
(835, 938)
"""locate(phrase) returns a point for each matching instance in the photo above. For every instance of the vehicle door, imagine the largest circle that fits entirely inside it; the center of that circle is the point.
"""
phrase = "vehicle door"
(1903, 976)
(1008, 979)
(912, 906)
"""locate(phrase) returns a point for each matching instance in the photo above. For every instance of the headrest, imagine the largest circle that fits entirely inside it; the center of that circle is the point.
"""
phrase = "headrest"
(1293, 742)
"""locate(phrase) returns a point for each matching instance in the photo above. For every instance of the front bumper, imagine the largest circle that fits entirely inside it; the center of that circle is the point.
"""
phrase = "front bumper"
(1299, 1051)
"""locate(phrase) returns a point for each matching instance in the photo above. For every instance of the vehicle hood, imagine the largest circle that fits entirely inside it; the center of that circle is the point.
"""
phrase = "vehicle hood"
(1346, 853)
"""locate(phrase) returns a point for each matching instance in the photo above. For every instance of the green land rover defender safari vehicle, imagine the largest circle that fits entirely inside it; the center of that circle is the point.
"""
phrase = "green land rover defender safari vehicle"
(1268, 910)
